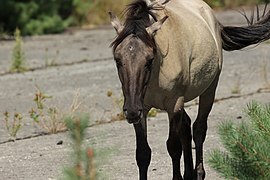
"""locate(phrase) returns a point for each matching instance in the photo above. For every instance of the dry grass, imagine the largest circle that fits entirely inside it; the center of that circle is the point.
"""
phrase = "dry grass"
(265, 75)
(231, 3)
(98, 13)
(237, 86)
(48, 117)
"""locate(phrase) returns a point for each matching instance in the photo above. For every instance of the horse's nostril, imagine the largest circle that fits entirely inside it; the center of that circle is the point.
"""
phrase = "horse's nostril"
(140, 112)
(125, 112)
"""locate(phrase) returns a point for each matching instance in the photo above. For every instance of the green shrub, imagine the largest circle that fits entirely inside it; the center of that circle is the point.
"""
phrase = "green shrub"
(42, 16)
(247, 147)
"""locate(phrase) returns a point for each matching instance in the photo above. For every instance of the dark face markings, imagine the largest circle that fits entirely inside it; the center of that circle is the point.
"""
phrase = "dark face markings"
(134, 61)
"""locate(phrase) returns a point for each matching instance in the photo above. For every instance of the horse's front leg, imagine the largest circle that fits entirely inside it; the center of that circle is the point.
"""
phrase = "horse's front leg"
(180, 140)
(143, 151)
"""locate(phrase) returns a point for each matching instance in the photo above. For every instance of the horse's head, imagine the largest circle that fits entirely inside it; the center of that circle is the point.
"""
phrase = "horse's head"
(134, 51)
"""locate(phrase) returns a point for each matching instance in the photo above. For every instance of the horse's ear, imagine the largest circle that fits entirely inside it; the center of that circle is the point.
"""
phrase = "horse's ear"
(115, 23)
(156, 26)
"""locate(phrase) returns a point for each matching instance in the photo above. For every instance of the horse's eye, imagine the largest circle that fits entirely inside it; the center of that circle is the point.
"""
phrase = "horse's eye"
(149, 63)
(118, 62)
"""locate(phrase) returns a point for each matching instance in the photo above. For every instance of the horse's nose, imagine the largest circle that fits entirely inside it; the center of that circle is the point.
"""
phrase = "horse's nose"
(133, 116)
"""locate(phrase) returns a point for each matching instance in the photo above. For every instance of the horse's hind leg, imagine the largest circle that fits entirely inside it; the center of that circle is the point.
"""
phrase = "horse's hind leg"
(186, 138)
(200, 126)
(180, 139)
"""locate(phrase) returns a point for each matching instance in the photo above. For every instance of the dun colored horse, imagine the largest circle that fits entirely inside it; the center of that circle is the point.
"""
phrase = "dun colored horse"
(168, 53)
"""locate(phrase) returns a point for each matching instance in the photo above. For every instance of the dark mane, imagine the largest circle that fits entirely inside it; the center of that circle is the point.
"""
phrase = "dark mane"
(137, 20)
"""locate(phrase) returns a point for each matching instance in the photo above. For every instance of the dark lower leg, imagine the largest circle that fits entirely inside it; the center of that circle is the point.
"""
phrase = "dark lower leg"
(175, 151)
(199, 134)
(174, 147)
(200, 126)
(143, 151)
(186, 138)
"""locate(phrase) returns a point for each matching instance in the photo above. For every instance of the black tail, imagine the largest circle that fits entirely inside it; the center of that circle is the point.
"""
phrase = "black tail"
(235, 38)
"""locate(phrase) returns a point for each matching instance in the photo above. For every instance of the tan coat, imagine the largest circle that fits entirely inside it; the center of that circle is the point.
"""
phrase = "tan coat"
(190, 55)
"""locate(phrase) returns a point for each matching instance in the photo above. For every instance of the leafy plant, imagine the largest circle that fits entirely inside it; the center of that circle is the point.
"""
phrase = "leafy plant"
(14, 125)
(84, 167)
(247, 146)
(18, 59)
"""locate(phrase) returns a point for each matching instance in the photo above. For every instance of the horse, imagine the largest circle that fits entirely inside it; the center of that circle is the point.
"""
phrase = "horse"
(168, 53)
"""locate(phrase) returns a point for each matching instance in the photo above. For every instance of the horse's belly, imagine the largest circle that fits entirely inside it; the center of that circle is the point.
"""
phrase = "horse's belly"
(202, 74)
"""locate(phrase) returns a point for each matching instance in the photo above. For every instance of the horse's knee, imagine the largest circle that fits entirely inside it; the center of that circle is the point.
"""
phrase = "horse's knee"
(199, 131)
(174, 146)
(143, 157)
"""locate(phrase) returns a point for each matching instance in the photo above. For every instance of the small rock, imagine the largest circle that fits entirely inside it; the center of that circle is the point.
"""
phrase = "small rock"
(59, 142)
(239, 117)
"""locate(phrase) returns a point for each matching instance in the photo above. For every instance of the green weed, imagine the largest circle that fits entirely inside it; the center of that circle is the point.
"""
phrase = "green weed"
(18, 58)
(14, 124)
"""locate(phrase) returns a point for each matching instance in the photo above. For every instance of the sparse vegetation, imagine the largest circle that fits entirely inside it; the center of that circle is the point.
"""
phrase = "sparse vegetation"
(18, 58)
(246, 154)
(118, 102)
(13, 124)
(49, 62)
(264, 74)
(117, 106)
(237, 87)
(48, 117)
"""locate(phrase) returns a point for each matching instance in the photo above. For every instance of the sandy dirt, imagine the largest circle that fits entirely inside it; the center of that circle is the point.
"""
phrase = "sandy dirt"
(83, 60)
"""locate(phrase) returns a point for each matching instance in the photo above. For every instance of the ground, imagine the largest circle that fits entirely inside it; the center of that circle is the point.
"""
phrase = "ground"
(82, 60)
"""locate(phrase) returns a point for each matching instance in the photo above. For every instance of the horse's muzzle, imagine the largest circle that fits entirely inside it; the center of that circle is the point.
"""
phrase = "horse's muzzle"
(133, 117)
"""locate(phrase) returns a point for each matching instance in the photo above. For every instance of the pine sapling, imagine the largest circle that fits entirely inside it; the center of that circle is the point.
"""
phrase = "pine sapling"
(247, 146)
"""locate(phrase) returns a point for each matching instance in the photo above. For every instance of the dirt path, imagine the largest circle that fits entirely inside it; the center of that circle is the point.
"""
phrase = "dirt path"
(83, 60)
